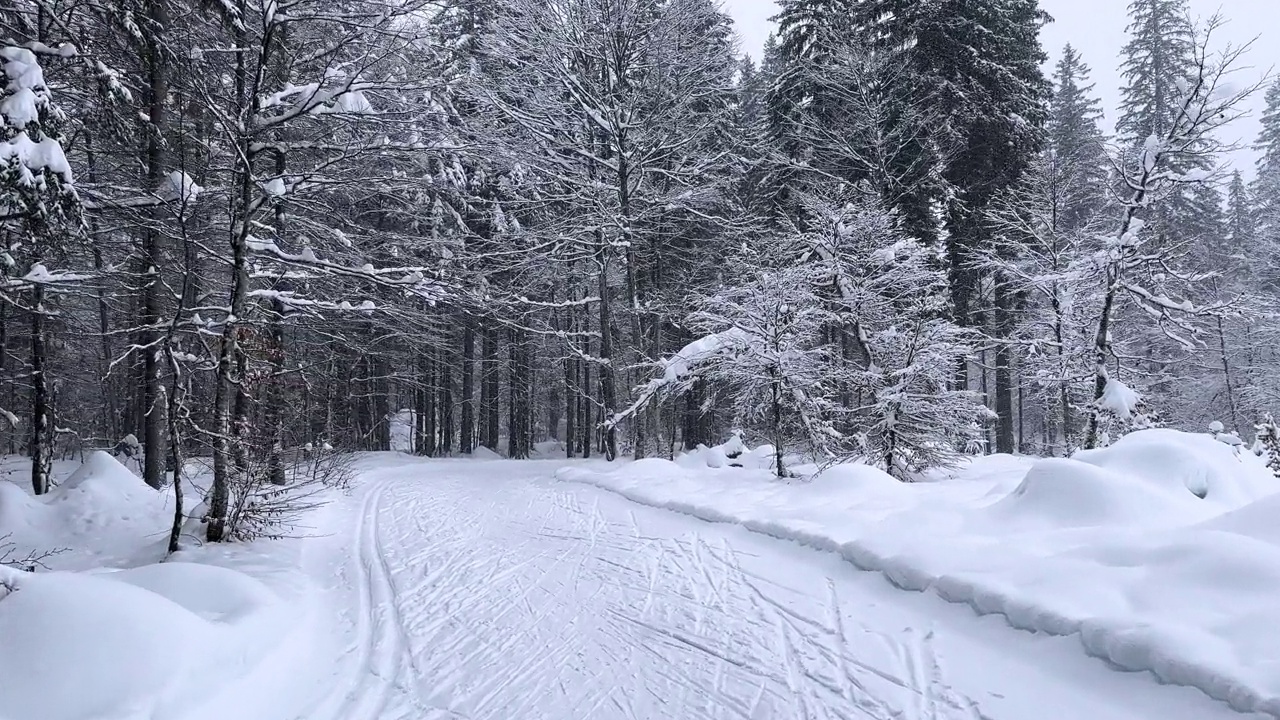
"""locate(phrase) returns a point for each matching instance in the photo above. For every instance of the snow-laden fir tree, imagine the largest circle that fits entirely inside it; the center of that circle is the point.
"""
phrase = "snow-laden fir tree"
(1076, 145)
(1158, 63)
(1266, 192)
(40, 218)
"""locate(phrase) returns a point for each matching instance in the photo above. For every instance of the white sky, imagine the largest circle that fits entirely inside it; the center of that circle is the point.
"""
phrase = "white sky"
(1097, 29)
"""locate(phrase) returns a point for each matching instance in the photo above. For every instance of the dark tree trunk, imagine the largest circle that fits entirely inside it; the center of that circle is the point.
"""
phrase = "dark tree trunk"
(42, 428)
(381, 404)
(608, 385)
(152, 256)
(584, 403)
(570, 406)
(467, 426)
(426, 413)
(445, 444)
(1004, 369)
(489, 388)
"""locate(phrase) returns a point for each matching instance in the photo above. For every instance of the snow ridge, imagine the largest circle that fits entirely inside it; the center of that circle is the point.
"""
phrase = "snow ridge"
(1188, 656)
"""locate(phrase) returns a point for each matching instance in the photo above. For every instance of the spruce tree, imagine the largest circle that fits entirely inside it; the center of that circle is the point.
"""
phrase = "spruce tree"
(1157, 62)
(1241, 224)
(1266, 185)
(1075, 143)
(1266, 193)
(1157, 59)
(40, 216)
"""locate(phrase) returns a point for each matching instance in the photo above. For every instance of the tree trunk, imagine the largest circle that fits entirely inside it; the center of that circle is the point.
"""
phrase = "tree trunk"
(445, 373)
(489, 387)
(42, 429)
(608, 388)
(225, 379)
(570, 405)
(467, 427)
(1004, 368)
(775, 400)
(152, 256)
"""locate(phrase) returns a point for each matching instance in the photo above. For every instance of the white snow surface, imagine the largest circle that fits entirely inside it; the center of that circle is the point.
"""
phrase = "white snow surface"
(1119, 399)
(112, 633)
(492, 590)
(1158, 554)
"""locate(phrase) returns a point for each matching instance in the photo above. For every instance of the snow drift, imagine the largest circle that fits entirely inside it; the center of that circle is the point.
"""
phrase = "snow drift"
(1160, 553)
(185, 639)
(148, 642)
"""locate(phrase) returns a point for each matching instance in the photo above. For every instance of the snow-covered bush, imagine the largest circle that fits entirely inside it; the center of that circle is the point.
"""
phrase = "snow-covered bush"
(887, 300)
(760, 340)
(261, 506)
(1267, 442)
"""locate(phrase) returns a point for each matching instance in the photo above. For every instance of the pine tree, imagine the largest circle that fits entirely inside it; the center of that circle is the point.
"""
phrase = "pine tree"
(1076, 143)
(1157, 61)
(40, 214)
(1266, 194)
(1157, 66)
(1267, 183)
(1242, 224)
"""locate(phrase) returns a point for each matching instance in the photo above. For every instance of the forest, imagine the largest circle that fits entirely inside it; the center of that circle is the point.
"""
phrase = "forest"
(256, 231)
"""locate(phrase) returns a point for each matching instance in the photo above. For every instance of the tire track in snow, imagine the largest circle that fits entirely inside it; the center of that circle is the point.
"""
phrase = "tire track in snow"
(380, 645)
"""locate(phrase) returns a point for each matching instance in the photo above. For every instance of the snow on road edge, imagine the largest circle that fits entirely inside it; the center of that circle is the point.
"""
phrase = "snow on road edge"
(1129, 646)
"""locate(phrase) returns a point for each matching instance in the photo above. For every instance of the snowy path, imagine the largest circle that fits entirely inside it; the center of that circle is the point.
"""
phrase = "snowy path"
(489, 590)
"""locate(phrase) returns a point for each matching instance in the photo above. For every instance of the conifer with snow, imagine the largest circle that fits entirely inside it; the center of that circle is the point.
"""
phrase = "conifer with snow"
(40, 214)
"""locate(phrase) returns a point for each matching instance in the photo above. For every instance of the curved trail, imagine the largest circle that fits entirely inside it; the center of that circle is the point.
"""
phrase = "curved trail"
(486, 590)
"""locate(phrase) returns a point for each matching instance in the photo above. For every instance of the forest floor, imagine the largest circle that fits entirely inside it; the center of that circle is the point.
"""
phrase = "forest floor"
(496, 590)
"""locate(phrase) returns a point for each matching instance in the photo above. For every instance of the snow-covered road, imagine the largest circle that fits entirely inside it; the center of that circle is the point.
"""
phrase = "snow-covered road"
(489, 590)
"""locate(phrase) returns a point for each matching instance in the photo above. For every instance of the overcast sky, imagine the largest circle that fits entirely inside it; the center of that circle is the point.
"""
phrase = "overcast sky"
(1097, 29)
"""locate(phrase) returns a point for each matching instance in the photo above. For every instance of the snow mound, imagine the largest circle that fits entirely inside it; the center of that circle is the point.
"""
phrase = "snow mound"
(1058, 493)
(1258, 520)
(213, 593)
(731, 453)
(483, 453)
(651, 467)
(128, 647)
(1186, 463)
(17, 506)
(548, 449)
(101, 468)
(146, 642)
(853, 476)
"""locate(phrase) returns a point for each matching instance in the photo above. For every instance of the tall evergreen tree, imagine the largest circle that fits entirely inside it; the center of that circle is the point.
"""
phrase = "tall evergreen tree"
(1242, 225)
(1076, 152)
(1157, 64)
(40, 217)
(1157, 60)
(1265, 189)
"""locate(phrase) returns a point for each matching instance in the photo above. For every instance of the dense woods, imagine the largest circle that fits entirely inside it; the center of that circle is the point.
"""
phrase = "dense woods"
(258, 230)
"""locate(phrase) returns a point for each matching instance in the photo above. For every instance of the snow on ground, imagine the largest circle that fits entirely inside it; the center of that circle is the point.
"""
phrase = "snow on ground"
(112, 633)
(1158, 554)
(490, 589)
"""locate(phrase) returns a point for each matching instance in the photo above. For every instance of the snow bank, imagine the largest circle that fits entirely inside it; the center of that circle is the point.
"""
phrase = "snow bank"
(196, 638)
(1160, 553)
(1181, 463)
(147, 642)
(101, 513)
(1059, 493)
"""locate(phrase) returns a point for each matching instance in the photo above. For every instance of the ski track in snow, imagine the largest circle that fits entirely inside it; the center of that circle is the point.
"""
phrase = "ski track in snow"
(487, 591)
